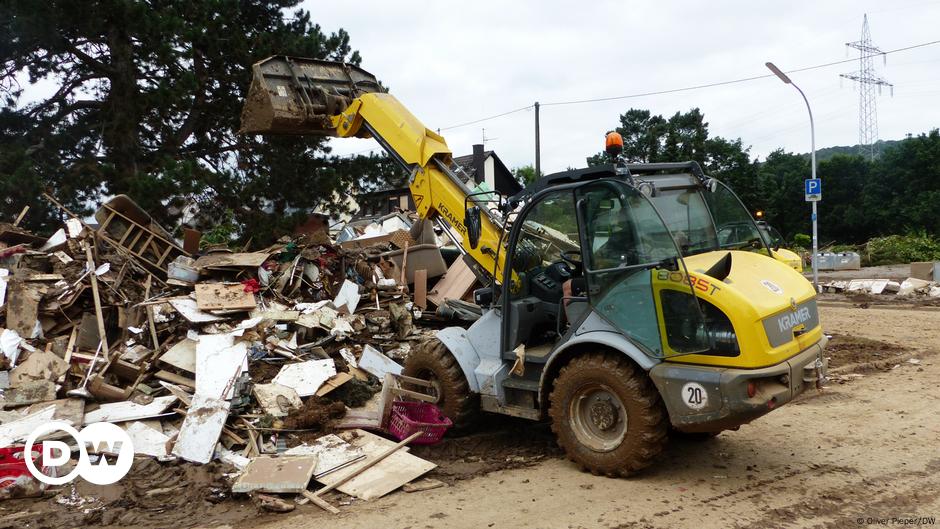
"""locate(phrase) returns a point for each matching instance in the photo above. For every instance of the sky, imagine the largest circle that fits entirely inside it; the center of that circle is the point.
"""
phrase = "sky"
(455, 62)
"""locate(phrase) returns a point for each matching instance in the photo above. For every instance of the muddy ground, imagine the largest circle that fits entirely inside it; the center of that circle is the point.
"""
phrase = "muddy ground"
(866, 448)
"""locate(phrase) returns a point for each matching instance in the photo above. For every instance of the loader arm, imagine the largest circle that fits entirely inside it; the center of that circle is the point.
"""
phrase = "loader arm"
(311, 97)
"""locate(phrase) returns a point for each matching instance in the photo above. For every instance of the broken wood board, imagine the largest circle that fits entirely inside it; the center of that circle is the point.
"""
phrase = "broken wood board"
(347, 297)
(421, 288)
(175, 379)
(22, 307)
(306, 377)
(40, 365)
(148, 438)
(224, 296)
(28, 393)
(332, 453)
(286, 474)
(18, 430)
(181, 356)
(218, 362)
(201, 429)
(70, 410)
(188, 309)
(455, 284)
(129, 411)
(376, 363)
(388, 475)
(276, 315)
(230, 260)
(338, 380)
(277, 400)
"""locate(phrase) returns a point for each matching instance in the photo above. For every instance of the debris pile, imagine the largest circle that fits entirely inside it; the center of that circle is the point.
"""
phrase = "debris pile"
(910, 287)
(272, 360)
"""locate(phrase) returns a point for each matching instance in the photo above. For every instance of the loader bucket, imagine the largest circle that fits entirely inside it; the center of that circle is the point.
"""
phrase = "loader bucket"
(291, 95)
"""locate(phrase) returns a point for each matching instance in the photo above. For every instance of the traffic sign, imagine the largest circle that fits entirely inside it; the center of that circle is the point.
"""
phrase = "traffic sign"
(813, 189)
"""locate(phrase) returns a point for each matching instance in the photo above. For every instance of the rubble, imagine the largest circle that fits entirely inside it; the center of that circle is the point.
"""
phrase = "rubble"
(910, 287)
(253, 358)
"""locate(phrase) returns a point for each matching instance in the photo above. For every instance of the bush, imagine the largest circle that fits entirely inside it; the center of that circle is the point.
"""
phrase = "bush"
(895, 249)
(803, 240)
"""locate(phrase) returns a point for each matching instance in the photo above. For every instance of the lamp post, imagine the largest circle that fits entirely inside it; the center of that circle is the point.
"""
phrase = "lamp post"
(812, 134)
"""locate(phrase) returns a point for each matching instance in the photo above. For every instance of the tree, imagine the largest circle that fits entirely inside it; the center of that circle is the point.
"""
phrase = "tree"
(525, 175)
(147, 103)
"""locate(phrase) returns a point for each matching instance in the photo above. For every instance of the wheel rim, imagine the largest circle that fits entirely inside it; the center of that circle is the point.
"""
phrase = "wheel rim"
(598, 417)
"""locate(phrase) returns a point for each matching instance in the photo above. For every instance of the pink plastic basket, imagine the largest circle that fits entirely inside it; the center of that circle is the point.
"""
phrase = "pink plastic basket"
(410, 417)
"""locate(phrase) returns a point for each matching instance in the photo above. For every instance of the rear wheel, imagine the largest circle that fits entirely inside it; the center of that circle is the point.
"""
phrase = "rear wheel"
(432, 361)
(607, 415)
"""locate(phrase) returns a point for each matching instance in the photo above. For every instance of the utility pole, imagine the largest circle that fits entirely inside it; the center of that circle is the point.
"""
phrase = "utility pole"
(867, 80)
(812, 138)
(538, 154)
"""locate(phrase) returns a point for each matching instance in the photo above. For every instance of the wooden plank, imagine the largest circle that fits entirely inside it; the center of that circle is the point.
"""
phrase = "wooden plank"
(421, 288)
(338, 380)
(386, 467)
(19, 218)
(306, 377)
(201, 429)
(455, 284)
(222, 296)
(129, 411)
(175, 379)
(96, 297)
(219, 361)
(22, 307)
(181, 356)
(284, 474)
(237, 260)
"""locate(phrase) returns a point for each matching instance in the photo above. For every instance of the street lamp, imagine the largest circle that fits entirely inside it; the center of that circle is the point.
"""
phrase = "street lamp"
(812, 134)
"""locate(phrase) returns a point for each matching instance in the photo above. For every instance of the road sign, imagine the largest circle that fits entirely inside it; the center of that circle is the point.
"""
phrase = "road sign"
(813, 189)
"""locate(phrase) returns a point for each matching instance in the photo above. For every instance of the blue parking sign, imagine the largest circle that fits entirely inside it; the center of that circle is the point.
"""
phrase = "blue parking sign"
(813, 189)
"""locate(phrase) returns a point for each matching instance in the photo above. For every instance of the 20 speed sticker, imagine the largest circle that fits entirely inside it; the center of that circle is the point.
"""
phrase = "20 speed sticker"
(694, 395)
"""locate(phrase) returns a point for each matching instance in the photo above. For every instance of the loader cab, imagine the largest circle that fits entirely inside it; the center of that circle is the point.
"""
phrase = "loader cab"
(593, 246)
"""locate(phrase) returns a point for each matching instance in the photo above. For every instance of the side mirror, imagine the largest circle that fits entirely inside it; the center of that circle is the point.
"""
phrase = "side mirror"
(474, 225)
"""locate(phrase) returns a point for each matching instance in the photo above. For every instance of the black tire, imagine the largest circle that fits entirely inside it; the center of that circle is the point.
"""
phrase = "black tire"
(636, 435)
(432, 361)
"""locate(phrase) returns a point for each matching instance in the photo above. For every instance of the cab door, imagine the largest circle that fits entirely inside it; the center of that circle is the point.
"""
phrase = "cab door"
(626, 246)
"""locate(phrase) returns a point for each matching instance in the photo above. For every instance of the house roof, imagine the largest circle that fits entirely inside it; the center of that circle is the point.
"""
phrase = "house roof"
(466, 161)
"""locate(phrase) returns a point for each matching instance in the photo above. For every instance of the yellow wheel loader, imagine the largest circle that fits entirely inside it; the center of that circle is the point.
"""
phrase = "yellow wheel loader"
(603, 312)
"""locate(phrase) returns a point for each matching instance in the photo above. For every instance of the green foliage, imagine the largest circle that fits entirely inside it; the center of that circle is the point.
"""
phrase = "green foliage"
(147, 103)
(525, 175)
(902, 249)
(223, 230)
(802, 240)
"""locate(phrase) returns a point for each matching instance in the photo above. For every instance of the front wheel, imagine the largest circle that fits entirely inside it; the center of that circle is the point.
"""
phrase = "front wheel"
(607, 415)
(432, 361)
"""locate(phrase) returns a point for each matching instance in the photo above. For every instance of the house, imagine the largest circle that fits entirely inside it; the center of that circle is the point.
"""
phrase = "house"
(482, 166)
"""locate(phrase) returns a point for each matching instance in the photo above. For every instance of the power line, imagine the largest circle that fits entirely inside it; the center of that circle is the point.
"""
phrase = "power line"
(683, 89)
(733, 81)
(481, 120)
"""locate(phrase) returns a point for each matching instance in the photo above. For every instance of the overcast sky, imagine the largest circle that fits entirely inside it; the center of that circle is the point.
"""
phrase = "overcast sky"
(454, 62)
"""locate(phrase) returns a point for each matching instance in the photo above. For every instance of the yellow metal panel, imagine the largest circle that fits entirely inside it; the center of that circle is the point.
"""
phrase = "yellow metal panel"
(756, 288)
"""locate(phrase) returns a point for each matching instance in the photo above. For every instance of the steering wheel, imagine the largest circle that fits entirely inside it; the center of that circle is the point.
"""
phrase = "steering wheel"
(572, 258)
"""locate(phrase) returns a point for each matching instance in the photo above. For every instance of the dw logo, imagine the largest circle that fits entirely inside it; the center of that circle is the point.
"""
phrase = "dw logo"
(101, 436)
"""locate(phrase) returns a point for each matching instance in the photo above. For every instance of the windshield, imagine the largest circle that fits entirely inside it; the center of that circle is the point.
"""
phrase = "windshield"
(735, 226)
(687, 217)
(625, 244)
(772, 237)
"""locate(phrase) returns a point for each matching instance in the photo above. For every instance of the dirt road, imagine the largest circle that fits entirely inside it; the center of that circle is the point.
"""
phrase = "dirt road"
(867, 449)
